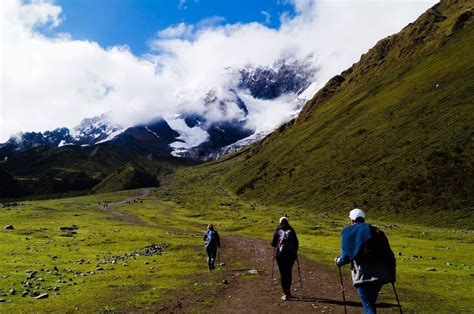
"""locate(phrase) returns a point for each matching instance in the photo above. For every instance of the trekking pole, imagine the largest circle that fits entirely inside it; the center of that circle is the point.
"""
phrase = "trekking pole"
(398, 300)
(342, 289)
(273, 267)
(299, 275)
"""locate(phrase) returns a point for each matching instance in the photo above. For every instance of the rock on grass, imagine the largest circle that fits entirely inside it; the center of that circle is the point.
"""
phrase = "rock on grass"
(42, 296)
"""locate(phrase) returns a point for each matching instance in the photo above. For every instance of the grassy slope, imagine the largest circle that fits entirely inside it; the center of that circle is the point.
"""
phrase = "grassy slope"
(73, 168)
(396, 137)
(128, 177)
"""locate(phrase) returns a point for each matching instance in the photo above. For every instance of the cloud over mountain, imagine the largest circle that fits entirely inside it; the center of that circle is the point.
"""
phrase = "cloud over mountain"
(55, 80)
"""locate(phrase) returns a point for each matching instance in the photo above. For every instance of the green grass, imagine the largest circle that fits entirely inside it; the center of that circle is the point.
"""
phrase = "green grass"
(36, 239)
(178, 218)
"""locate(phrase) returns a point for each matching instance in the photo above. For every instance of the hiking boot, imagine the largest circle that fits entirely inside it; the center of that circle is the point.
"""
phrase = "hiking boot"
(284, 297)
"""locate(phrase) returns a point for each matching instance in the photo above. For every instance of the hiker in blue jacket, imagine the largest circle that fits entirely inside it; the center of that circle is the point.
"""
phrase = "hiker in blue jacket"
(372, 260)
(212, 242)
(285, 243)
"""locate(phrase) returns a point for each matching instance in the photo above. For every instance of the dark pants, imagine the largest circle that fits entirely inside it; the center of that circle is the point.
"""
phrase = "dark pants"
(285, 264)
(211, 251)
(368, 293)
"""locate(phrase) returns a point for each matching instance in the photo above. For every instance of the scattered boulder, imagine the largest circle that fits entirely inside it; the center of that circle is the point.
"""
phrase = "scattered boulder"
(431, 269)
(42, 296)
(12, 291)
(2, 300)
(31, 274)
(253, 272)
(225, 282)
(8, 227)
(71, 228)
(24, 293)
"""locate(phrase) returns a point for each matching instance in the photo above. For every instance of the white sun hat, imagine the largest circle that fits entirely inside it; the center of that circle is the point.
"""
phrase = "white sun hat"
(356, 213)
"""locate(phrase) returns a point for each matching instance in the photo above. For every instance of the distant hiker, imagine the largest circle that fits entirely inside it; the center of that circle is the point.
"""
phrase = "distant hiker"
(285, 243)
(213, 241)
(372, 260)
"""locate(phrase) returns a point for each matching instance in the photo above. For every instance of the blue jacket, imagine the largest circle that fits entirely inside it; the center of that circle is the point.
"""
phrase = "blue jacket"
(353, 239)
(378, 266)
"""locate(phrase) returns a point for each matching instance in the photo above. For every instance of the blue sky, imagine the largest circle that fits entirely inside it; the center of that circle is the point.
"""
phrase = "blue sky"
(133, 23)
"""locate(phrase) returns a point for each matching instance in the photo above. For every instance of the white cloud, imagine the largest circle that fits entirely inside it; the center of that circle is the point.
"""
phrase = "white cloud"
(181, 30)
(48, 82)
(268, 17)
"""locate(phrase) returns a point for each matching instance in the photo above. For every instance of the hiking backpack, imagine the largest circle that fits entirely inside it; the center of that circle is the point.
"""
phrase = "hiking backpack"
(211, 238)
(377, 250)
(286, 242)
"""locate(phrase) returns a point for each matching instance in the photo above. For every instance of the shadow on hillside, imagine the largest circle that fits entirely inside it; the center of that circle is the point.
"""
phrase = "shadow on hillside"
(339, 302)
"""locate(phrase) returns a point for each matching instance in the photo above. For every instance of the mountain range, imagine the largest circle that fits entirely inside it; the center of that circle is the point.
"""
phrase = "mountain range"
(79, 159)
(191, 135)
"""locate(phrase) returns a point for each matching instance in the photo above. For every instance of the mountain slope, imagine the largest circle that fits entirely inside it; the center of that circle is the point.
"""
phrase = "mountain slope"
(391, 134)
(43, 170)
(129, 176)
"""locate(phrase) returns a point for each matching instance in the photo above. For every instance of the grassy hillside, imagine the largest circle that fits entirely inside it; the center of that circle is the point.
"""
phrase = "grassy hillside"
(64, 169)
(130, 176)
(393, 134)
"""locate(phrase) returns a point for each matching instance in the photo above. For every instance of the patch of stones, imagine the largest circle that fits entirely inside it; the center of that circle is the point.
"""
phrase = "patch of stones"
(34, 285)
(151, 250)
(68, 231)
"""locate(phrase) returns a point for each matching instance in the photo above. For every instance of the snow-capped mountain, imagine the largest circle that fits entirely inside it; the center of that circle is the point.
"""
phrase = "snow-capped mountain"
(261, 99)
(94, 130)
(285, 76)
(89, 132)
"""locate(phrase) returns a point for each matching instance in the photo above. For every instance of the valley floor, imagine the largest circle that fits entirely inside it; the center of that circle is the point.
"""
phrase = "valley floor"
(100, 266)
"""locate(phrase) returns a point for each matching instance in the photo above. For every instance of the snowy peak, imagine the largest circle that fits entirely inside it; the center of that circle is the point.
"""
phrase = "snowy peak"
(94, 130)
(286, 76)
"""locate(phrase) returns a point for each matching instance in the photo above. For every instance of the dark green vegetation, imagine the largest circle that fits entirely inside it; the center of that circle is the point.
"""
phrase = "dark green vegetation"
(393, 134)
(43, 170)
(130, 176)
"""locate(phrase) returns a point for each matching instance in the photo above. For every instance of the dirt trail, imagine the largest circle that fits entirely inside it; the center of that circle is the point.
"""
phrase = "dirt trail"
(108, 208)
(256, 295)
